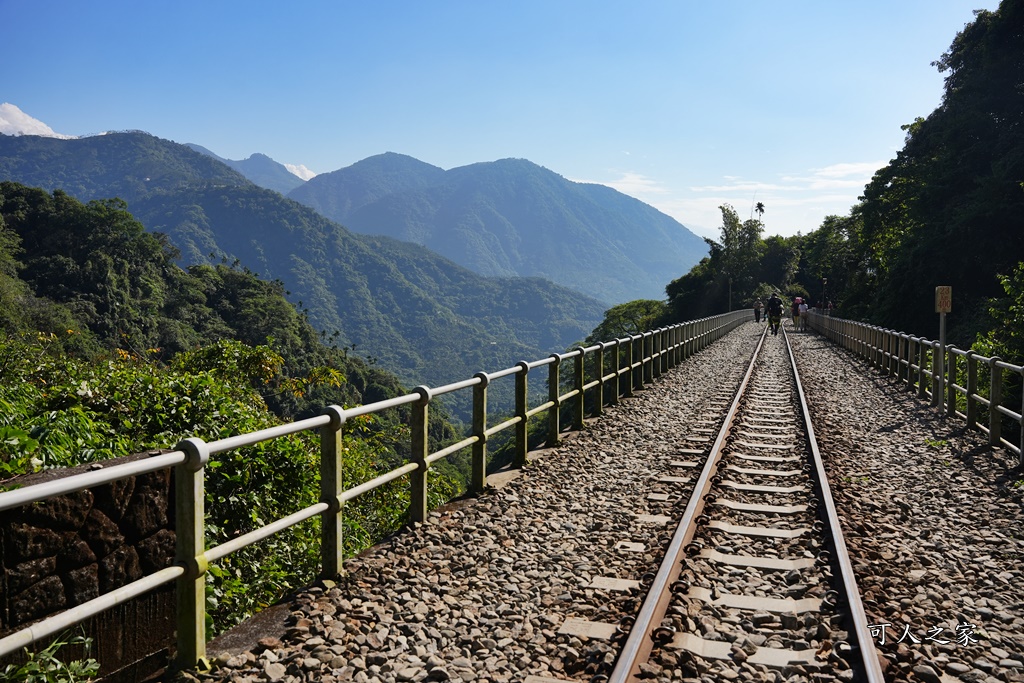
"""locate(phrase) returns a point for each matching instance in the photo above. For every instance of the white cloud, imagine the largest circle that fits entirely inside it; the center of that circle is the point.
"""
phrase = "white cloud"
(837, 176)
(634, 184)
(301, 171)
(796, 202)
(748, 186)
(859, 170)
(13, 121)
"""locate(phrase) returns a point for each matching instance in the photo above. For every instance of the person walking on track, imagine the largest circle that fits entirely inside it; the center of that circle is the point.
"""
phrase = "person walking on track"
(774, 312)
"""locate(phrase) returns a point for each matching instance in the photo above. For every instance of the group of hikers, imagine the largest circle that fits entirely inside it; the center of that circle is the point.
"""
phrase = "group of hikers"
(773, 308)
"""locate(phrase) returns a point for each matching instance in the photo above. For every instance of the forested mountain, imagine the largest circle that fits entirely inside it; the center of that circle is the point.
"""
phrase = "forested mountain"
(260, 169)
(339, 193)
(417, 312)
(128, 165)
(108, 348)
(421, 315)
(92, 277)
(512, 217)
(946, 211)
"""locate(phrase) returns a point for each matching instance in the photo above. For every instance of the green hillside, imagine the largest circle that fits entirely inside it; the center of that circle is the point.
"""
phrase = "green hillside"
(339, 193)
(108, 348)
(415, 312)
(260, 169)
(512, 218)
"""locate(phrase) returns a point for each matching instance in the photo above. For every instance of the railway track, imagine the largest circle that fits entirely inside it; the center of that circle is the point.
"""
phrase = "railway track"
(755, 582)
(686, 538)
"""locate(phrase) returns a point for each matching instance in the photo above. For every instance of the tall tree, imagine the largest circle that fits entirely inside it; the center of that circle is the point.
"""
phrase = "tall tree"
(946, 210)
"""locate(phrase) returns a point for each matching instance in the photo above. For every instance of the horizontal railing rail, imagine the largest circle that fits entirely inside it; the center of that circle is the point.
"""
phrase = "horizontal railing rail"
(947, 377)
(620, 367)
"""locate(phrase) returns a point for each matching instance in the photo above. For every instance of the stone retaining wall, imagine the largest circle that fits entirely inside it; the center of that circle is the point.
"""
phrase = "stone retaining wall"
(68, 550)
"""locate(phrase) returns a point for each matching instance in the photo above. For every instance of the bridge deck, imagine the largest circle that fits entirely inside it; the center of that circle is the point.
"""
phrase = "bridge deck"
(519, 581)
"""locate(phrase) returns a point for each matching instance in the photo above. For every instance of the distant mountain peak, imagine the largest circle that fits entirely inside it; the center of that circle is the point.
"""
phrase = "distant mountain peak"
(512, 217)
(263, 170)
(13, 121)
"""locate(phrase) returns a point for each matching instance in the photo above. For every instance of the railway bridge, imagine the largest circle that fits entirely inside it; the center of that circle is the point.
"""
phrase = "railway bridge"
(835, 504)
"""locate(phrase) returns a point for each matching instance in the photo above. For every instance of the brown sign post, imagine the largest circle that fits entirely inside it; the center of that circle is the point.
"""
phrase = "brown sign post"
(943, 305)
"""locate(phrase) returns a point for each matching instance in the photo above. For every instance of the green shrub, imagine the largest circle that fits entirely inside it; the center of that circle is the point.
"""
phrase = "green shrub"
(58, 411)
(45, 667)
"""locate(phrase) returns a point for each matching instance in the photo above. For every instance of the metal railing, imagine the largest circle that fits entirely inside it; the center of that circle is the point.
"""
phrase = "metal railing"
(622, 366)
(947, 377)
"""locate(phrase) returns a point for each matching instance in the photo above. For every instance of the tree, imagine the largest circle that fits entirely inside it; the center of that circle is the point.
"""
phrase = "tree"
(946, 210)
(633, 317)
(741, 246)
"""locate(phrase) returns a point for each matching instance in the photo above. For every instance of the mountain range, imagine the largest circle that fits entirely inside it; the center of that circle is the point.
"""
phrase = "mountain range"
(260, 169)
(508, 218)
(419, 314)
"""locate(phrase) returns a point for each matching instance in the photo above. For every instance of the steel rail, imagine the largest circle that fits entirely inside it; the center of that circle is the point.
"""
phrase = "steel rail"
(641, 639)
(865, 643)
(638, 644)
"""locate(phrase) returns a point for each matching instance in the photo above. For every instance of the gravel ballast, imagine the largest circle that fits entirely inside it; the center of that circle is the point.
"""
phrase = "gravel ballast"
(480, 591)
(931, 517)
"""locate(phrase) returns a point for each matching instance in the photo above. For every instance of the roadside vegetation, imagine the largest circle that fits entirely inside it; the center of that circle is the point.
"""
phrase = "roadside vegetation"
(107, 348)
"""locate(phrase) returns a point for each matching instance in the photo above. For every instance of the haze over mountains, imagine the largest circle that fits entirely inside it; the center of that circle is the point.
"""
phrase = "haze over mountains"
(260, 169)
(509, 217)
(419, 313)
(512, 217)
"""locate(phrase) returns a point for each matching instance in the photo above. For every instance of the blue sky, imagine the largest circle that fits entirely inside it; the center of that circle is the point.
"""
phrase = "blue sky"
(685, 105)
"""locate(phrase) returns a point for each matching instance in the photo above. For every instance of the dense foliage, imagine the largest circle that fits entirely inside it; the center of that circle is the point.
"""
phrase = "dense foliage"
(418, 314)
(108, 348)
(946, 211)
